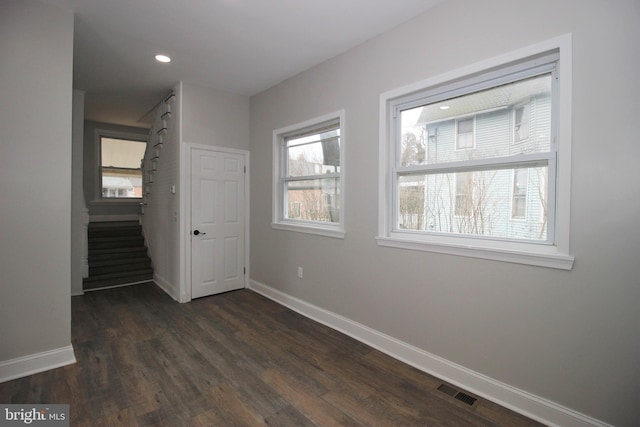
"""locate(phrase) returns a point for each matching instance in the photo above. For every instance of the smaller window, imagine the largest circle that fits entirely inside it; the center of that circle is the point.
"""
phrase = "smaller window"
(519, 198)
(120, 172)
(464, 194)
(521, 123)
(308, 187)
(464, 133)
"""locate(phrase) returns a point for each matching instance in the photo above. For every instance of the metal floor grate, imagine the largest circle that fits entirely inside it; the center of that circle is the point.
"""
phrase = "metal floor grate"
(458, 395)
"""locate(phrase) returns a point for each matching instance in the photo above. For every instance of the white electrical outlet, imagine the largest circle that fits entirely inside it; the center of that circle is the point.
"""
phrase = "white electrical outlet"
(299, 272)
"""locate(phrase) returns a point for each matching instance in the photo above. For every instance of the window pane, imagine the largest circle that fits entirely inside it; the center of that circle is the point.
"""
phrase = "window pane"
(122, 153)
(430, 134)
(121, 182)
(120, 167)
(477, 203)
(314, 200)
(314, 154)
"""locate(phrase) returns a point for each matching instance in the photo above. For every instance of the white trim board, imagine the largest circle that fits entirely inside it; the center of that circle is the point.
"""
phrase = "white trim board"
(167, 287)
(517, 400)
(36, 363)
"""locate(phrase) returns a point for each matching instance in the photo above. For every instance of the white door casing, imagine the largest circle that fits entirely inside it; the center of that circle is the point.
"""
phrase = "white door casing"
(218, 214)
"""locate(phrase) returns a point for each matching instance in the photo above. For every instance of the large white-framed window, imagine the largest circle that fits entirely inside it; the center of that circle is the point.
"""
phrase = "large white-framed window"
(118, 166)
(466, 200)
(308, 176)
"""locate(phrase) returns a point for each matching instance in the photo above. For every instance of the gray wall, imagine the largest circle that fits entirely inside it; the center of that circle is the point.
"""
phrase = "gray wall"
(214, 117)
(162, 213)
(35, 178)
(567, 336)
(97, 207)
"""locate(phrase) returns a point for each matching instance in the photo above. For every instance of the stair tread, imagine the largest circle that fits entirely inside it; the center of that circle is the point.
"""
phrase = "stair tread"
(118, 281)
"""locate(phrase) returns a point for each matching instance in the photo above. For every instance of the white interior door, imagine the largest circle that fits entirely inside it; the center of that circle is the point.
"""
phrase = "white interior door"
(217, 222)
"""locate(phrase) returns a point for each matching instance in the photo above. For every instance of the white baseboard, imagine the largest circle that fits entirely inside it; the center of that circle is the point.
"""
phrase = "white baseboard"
(167, 287)
(36, 363)
(517, 400)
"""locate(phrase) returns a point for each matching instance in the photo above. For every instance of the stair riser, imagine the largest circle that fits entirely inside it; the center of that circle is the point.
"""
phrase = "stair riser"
(116, 245)
(119, 233)
(98, 259)
(106, 262)
(96, 271)
(133, 250)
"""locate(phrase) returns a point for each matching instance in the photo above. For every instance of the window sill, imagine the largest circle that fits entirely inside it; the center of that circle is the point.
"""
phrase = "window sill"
(310, 229)
(542, 256)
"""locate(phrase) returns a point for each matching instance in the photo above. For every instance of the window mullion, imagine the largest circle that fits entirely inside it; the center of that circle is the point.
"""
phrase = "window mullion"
(310, 177)
(518, 161)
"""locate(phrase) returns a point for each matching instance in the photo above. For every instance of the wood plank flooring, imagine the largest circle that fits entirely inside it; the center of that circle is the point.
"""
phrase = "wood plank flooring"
(235, 359)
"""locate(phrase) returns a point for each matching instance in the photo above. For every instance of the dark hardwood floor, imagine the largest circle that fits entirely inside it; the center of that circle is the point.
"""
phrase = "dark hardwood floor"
(235, 359)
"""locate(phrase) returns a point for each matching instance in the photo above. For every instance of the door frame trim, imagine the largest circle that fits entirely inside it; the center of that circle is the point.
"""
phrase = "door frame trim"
(185, 220)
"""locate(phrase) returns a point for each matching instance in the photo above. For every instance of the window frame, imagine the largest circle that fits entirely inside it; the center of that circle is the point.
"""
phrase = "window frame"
(105, 133)
(554, 254)
(279, 200)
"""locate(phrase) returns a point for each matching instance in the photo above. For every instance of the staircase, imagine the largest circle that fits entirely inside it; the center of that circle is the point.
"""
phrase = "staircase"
(117, 255)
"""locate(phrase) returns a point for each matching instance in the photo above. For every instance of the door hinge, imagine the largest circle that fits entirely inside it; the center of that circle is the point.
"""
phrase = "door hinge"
(245, 169)
(245, 271)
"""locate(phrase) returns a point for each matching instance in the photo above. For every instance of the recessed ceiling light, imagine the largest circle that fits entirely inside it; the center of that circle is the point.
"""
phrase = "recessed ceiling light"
(163, 58)
(444, 107)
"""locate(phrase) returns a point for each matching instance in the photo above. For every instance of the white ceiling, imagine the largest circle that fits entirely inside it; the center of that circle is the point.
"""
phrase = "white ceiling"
(238, 46)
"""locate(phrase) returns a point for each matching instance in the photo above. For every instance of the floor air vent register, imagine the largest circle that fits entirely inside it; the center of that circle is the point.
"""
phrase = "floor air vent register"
(458, 395)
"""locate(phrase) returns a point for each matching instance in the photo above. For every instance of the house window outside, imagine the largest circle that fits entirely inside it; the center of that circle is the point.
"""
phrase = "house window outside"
(521, 123)
(519, 198)
(464, 194)
(465, 134)
(308, 184)
(120, 172)
(454, 200)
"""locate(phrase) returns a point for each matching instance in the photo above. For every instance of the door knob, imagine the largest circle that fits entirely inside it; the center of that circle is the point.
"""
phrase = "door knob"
(196, 232)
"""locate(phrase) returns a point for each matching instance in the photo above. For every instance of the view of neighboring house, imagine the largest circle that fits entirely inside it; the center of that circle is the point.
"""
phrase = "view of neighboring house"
(472, 197)
(312, 184)
(114, 186)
